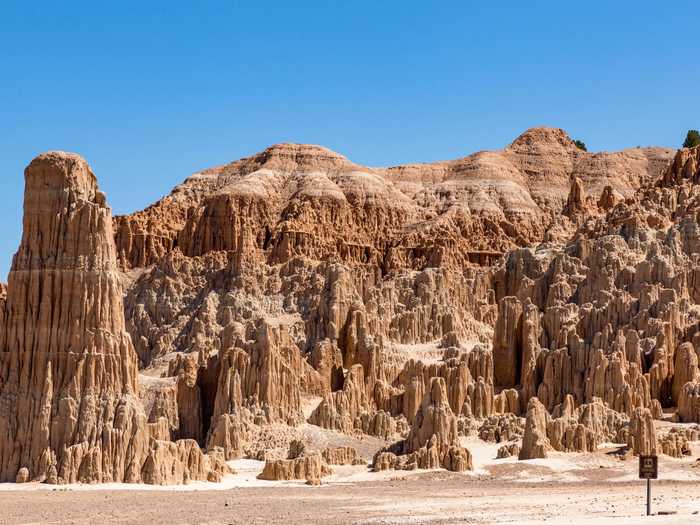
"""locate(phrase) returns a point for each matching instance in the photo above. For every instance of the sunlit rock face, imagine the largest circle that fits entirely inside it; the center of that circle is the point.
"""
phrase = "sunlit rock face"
(540, 290)
(69, 407)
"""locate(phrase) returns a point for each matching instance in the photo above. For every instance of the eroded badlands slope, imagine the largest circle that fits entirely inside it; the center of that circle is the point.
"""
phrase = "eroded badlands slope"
(69, 407)
(538, 296)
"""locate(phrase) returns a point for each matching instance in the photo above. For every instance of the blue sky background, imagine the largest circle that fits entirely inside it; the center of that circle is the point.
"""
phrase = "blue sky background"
(151, 93)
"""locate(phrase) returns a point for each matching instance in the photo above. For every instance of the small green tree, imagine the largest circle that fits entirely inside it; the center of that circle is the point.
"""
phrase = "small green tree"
(692, 139)
(581, 145)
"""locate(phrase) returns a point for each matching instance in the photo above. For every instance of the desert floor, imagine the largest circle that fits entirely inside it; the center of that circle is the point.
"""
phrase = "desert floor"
(569, 489)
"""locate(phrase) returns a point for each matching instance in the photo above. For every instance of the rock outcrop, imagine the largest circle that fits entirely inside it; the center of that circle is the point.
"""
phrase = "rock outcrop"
(570, 429)
(535, 441)
(69, 406)
(433, 441)
(411, 303)
(496, 200)
(508, 450)
(342, 456)
(296, 273)
(641, 437)
(301, 464)
(310, 468)
(502, 427)
(675, 442)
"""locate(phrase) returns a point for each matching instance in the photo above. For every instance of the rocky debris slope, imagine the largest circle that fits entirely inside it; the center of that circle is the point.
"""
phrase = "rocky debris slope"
(69, 405)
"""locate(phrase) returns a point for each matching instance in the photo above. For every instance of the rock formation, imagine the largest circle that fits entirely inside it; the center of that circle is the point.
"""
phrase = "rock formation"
(570, 429)
(433, 441)
(642, 435)
(501, 427)
(413, 304)
(69, 406)
(309, 467)
(675, 442)
(508, 450)
(300, 464)
(342, 456)
(535, 442)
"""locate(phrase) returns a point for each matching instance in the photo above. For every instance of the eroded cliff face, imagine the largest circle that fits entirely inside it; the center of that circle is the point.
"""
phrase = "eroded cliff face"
(301, 200)
(295, 277)
(414, 304)
(69, 409)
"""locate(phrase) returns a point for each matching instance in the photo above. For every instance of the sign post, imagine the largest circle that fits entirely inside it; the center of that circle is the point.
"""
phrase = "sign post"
(648, 470)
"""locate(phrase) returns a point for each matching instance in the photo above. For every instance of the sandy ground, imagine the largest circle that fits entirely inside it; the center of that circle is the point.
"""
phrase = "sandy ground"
(567, 489)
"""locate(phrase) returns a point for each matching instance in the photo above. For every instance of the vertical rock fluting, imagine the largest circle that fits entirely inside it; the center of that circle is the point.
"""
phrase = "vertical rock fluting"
(69, 409)
(506, 343)
(432, 442)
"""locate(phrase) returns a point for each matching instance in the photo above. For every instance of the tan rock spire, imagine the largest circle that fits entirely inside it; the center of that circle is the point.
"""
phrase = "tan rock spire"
(68, 370)
(576, 202)
(64, 335)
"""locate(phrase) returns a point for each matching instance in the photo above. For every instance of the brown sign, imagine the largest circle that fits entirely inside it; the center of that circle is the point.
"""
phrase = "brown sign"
(648, 467)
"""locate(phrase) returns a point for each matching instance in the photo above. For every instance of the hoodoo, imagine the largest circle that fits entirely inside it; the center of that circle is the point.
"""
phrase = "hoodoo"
(69, 409)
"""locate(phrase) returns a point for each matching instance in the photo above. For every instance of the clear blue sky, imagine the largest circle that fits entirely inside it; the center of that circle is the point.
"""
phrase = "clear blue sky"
(151, 94)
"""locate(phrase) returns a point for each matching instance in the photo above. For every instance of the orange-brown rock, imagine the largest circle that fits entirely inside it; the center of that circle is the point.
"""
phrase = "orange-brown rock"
(675, 442)
(689, 402)
(69, 406)
(576, 206)
(413, 301)
(508, 450)
(535, 442)
(310, 467)
(570, 428)
(502, 427)
(182, 461)
(433, 441)
(342, 456)
(642, 434)
(345, 409)
(467, 210)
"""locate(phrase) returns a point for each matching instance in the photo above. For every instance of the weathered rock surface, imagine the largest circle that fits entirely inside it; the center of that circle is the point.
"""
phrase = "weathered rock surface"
(360, 285)
(570, 429)
(433, 441)
(535, 441)
(502, 427)
(465, 210)
(675, 442)
(342, 456)
(508, 450)
(408, 303)
(69, 406)
(309, 467)
(300, 465)
(641, 437)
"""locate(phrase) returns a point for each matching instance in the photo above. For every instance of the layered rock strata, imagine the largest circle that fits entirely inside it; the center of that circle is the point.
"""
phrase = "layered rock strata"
(412, 304)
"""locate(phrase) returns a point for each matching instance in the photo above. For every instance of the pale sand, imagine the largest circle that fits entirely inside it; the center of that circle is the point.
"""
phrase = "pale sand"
(566, 489)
